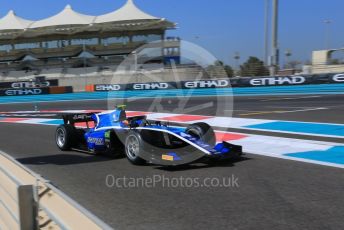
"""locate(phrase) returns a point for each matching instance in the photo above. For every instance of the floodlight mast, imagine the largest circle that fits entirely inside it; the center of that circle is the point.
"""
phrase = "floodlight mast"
(275, 48)
(266, 35)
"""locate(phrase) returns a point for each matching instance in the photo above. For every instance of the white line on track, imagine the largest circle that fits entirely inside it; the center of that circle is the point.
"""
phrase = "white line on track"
(301, 110)
(289, 98)
(289, 107)
(299, 160)
(280, 111)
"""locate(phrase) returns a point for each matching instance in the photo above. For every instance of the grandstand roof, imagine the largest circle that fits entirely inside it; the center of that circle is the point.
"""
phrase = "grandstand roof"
(66, 17)
(128, 17)
(128, 12)
(12, 22)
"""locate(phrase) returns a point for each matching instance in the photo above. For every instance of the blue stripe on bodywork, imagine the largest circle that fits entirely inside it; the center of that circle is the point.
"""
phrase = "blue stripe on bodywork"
(334, 155)
(301, 127)
(53, 122)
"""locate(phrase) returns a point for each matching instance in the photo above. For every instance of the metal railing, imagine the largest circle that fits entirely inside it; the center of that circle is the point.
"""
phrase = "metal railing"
(28, 201)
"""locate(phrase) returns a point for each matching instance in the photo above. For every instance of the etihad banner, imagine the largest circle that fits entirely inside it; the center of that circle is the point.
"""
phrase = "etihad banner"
(24, 92)
(276, 81)
(36, 91)
(225, 83)
(337, 78)
(288, 80)
(28, 84)
(198, 84)
(137, 86)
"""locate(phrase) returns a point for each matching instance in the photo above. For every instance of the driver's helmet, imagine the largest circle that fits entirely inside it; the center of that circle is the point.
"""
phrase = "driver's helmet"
(119, 114)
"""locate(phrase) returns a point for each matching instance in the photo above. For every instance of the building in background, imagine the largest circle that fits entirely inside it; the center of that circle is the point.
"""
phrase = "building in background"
(71, 39)
(324, 62)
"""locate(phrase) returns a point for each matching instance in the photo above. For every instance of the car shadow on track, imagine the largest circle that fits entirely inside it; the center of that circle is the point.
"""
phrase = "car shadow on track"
(213, 164)
(73, 159)
(65, 159)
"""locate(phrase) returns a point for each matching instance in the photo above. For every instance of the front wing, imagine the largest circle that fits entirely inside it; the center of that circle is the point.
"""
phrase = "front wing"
(189, 149)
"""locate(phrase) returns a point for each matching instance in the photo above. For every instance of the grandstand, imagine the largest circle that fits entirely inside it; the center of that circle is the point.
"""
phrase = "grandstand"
(81, 50)
(62, 44)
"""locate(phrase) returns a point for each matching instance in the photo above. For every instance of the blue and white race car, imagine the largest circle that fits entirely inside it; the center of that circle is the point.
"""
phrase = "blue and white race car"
(142, 140)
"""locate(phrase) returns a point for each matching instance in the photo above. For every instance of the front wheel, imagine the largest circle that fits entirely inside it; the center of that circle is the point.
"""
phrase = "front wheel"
(202, 131)
(133, 146)
(64, 137)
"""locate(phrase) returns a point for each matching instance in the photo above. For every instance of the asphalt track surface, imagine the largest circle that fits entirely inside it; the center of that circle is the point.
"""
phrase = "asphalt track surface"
(309, 108)
(272, 193)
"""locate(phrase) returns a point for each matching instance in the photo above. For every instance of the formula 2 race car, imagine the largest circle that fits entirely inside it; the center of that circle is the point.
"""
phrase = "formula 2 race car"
(142, 140)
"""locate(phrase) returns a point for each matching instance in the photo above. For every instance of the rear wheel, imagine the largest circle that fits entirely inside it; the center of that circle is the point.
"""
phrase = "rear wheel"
(64, 137)
(202, 131)
(133, 146)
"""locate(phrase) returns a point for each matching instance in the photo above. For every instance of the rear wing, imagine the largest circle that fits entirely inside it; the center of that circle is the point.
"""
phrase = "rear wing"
(71, 119)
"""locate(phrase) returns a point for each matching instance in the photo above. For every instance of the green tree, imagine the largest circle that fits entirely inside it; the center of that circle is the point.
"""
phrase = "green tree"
(253, 67)
(293, 64)
(334, 62)
(229, 70)
(218, 63)
(219, 69)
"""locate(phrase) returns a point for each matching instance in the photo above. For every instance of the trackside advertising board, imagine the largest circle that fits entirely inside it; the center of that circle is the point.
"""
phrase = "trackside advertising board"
(225, 83)
(24, 92)
(28, 84)
(162, 85)
(288, 80)
(36, 91)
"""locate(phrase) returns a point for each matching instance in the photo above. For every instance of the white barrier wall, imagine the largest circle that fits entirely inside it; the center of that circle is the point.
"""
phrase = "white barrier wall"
(27, 201)
(80, 77)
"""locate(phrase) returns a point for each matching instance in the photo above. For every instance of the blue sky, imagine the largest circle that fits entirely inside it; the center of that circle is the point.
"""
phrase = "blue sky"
(221, 26)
